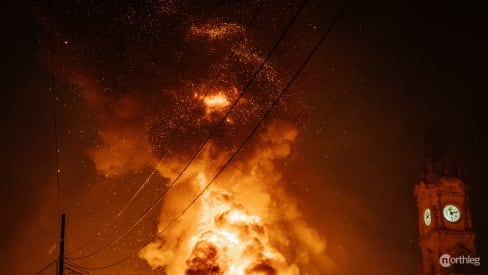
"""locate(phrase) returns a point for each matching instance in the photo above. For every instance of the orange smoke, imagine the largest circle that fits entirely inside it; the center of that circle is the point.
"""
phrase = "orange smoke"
(245, 224)
(216, 102)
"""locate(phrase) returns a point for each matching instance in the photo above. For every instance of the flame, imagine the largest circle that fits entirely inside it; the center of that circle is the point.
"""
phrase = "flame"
(227, 239)
(216, 101)
(230, 240)
(244, 224)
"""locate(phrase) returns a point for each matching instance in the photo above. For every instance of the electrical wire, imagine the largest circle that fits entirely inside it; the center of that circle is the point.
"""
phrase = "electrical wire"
(248, 137)
(260, 122)
(121, 260)
(124, 208)
(76, 268)
(203, 145)
(52, 89)
(68, 263)
(47, 266)
(72, 271)
(169, 150)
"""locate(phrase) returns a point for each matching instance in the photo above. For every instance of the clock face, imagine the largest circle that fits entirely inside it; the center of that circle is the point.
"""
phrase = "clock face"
(427, 217)
(451, 213)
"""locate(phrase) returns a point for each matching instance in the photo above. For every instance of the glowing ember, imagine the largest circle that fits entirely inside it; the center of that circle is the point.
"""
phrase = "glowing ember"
(216, 102)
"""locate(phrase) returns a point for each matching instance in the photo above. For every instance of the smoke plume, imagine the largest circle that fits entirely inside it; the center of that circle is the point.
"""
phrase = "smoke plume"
(157, 100)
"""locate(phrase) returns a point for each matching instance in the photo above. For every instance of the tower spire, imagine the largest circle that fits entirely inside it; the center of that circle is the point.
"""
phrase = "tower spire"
(435, 151)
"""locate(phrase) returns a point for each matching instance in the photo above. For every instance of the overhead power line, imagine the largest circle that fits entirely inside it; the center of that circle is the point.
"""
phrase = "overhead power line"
(52, 89)
(48, 266)
(203, 145)
(254, 130)
(124, 208)
(59, 263)
(146, 182)
(260, 122)
(76, 269)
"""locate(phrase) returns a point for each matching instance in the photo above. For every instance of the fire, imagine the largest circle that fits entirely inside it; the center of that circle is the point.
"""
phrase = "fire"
(231, 240)
(215, 102)
(244, 224)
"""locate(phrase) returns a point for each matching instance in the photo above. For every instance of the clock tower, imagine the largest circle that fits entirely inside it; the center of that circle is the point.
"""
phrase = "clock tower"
(446, 238)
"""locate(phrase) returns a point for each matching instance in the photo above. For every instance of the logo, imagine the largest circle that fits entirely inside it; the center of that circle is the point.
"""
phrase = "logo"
(446, 260)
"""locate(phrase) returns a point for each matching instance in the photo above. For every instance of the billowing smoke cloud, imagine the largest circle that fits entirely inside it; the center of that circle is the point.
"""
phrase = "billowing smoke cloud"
(246, 223)
(160, 99)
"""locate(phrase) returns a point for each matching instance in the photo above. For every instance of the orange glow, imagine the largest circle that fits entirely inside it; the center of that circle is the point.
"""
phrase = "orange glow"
(214, 103)
(232, 239)
(245, 223)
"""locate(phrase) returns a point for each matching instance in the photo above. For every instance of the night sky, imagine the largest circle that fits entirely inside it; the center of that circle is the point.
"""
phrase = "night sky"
(386, 74)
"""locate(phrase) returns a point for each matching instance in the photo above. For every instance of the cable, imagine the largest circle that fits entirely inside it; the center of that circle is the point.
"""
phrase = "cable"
(248, 137)
(84, 244)
(87, 269)
(122, 210)
(75, 268)
(143, 185)
(72, 271)
(202, 146)
(263, 118)
(47, 266)
(68, 263)
(55, 124)
(54, 112)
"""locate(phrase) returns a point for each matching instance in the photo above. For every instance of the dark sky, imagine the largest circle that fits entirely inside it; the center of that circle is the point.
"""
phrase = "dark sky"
(387, 72)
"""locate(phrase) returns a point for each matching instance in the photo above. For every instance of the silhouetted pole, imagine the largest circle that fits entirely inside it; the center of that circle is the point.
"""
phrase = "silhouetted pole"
(61, 248)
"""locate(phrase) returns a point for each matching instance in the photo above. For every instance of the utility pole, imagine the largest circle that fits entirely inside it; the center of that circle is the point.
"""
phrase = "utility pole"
(61, 247)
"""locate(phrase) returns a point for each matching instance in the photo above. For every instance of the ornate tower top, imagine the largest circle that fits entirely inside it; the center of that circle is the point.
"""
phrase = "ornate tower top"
(435, 145)
(435, 163)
